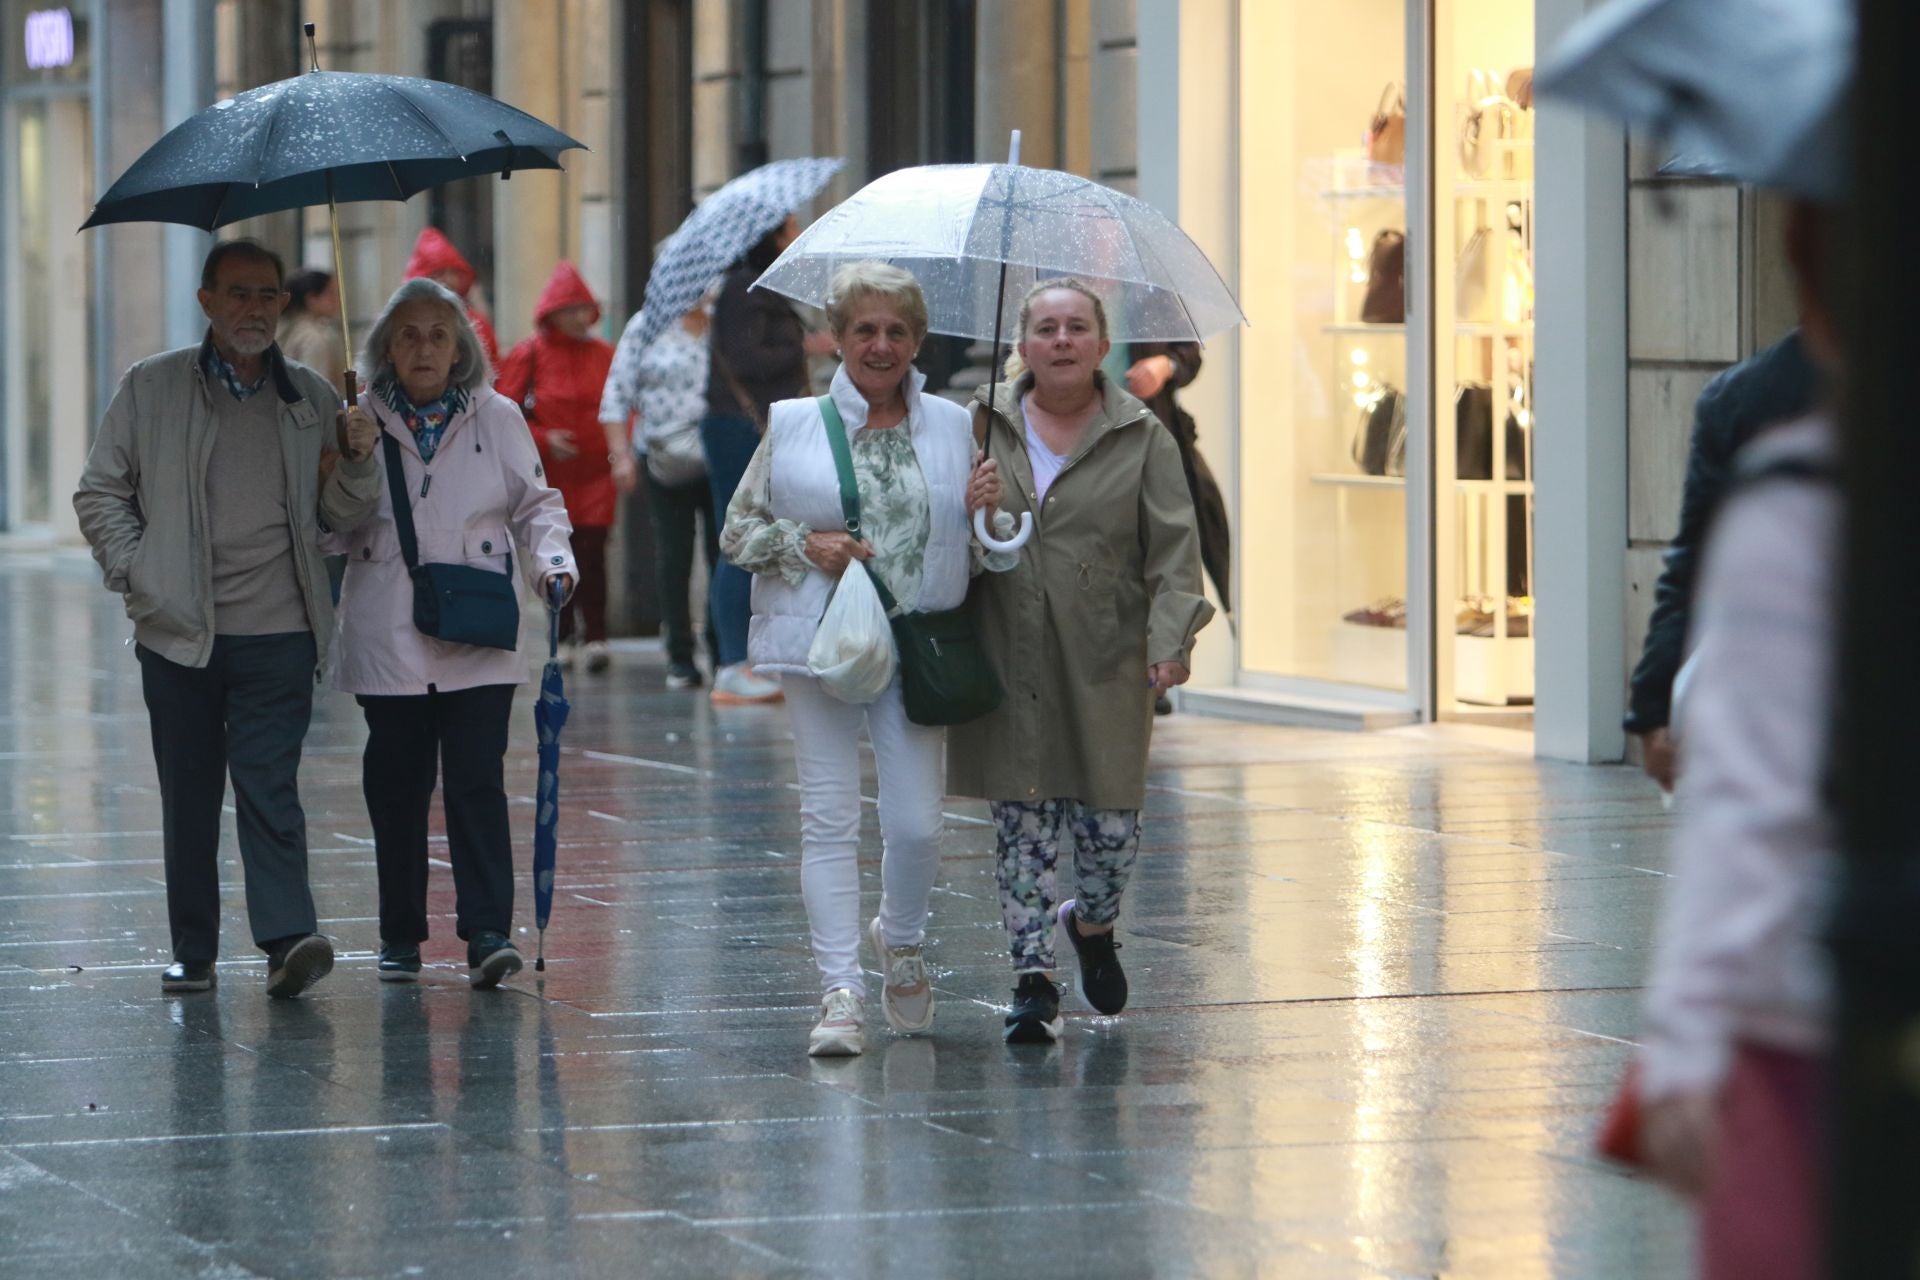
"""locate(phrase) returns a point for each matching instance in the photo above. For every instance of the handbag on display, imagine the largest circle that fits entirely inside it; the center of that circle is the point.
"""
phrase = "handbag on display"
(1380, 440)
(678, 459)
(1387, 131)
(1385, 301)
(1473, 436)
(945, 676)
(1493, 121)
(453, 602)
(1472, 299)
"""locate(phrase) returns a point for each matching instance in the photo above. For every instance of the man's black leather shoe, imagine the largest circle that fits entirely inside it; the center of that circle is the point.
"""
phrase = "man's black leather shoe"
(178, 978)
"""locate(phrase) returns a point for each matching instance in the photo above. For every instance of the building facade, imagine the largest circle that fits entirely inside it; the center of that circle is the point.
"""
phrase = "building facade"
(1451, 436)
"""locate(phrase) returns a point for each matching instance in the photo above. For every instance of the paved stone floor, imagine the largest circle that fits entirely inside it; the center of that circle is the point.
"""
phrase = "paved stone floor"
(1381, 989)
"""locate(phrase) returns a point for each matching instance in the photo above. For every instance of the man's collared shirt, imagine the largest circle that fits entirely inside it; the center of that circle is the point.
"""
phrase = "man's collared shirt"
(217, 366)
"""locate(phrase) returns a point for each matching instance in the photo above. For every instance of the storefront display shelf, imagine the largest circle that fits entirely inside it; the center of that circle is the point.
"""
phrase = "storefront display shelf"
(1375, 656)
(1492, 671)
(1395, 193)
(1349, 480)
(1384, 330)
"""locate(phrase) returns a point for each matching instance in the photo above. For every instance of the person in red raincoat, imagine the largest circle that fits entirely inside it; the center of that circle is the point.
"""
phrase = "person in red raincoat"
(435, 258)
(556, 377)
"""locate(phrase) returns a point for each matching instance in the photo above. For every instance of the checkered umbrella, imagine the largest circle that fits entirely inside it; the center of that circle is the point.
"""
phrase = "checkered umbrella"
(724, 226)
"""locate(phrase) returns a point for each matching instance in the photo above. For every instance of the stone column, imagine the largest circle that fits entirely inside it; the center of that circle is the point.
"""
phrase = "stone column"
(1016, 80)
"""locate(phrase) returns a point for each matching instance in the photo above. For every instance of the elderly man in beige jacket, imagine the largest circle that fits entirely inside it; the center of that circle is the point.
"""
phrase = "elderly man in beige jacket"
(203, 501)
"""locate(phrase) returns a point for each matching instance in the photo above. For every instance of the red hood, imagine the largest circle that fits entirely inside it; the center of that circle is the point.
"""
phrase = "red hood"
(433, 253)
(564, 288)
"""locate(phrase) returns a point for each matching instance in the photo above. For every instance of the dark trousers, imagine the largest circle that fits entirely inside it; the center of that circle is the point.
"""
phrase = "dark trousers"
(680, 514)
(243, 715)
(411, 741)
(588, 606)
(729, 440)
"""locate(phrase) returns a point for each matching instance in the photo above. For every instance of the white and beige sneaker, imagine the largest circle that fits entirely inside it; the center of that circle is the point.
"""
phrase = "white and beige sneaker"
(840, 1032)
(907, 995)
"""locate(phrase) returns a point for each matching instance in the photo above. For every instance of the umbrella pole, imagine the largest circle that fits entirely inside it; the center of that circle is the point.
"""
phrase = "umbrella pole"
(1000, 298)
(340, 287)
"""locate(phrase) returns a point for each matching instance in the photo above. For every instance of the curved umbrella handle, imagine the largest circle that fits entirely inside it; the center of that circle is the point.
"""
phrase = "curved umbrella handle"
(991, 543)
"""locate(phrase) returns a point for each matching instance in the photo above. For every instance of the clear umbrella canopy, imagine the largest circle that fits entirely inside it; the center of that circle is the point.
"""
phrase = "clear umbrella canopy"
(953, 226)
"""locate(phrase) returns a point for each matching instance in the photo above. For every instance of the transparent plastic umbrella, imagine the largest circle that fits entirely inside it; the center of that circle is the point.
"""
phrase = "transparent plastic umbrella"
(954, 227)
(1755, 90)
(978, 236)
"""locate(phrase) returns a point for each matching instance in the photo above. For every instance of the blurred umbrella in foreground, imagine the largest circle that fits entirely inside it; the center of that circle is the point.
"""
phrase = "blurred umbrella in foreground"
(326, 137)
(1752, 89)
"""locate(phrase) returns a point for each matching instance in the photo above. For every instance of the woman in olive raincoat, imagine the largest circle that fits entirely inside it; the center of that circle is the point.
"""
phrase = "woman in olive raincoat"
(1098, 617)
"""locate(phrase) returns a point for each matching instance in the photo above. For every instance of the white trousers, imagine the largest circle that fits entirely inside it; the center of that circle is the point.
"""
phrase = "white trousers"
(911, 762)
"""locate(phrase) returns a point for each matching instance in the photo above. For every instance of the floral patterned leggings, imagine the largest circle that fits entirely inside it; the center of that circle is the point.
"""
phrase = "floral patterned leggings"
(1104, 844)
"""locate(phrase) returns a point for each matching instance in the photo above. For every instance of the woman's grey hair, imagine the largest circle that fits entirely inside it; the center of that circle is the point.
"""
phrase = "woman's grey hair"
(470, 368)
(872, 278)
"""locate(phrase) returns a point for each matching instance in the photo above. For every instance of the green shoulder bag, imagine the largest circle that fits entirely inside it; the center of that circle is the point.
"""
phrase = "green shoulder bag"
(945, 676)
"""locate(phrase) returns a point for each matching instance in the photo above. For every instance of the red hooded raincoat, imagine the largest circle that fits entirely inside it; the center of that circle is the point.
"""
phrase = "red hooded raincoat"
(565, 378)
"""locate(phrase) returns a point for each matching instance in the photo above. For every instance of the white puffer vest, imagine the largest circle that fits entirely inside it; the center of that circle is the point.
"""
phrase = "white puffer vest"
(806, 488)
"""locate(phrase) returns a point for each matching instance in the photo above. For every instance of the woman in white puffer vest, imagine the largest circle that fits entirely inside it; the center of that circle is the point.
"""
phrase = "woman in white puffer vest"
(914, 459)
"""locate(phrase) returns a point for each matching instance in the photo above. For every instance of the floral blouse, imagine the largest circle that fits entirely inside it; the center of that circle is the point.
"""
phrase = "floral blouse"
(894, 509)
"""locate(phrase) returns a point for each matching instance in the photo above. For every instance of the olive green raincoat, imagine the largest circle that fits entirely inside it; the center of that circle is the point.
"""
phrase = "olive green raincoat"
(1109, 585)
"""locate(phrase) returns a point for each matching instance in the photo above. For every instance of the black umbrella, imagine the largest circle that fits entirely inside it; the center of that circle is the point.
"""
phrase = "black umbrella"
(326, 137)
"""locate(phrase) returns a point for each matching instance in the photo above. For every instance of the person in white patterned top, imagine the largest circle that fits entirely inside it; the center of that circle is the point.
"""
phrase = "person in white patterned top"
(665, 383)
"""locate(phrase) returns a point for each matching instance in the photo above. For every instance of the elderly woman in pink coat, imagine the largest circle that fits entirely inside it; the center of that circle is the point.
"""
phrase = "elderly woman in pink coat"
(478, 496)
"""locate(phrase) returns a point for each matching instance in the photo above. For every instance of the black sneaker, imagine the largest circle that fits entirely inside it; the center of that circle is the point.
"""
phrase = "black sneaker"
(491, 959)
(294, 964)
(1162, 705)
(1035, 1016)
(683, 675)
(1101, 982)
(399, 962)
(177, 978)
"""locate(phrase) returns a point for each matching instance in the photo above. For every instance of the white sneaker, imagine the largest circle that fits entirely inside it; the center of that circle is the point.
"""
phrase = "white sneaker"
(906, 996)
(566, 654)
(737, 685)
(599, 656)
(839, 1033)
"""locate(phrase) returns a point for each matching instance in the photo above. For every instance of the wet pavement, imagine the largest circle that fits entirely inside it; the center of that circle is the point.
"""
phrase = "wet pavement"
(1381, 989)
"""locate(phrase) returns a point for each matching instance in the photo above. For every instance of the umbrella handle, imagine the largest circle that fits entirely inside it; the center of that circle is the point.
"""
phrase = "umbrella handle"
(991, 543)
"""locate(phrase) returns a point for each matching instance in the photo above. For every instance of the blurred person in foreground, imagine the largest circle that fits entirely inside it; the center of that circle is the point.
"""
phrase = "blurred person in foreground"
(310, 332)
(557, 376)
(203, 499)
(662, 389)
(1772, 386)
(1098, 617)
(914, 463)
(1738, 1003)
(437, 709)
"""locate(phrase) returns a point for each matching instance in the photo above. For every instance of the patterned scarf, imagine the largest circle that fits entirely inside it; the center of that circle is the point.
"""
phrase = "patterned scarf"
(426, 421)
(217, 367)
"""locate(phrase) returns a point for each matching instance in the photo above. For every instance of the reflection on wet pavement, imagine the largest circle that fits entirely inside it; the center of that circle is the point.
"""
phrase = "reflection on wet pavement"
(1382, 987)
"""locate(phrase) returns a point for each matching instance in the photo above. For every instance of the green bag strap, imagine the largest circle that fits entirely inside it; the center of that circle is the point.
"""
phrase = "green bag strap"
(849, 486)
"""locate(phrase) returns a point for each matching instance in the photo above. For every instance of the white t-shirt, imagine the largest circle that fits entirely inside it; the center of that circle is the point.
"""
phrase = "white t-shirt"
(1045, 462)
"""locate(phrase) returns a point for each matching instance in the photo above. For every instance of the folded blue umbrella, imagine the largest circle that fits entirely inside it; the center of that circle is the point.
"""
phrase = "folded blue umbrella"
(549, 717)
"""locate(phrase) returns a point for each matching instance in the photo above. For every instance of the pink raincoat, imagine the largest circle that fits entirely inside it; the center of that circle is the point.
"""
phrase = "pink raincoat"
(486, 497)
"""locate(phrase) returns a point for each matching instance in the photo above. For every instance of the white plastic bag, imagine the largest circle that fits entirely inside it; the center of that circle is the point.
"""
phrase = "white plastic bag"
(852, 652)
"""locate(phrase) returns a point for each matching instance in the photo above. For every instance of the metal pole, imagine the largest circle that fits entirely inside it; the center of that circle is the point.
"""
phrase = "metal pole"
(1871, 1229)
